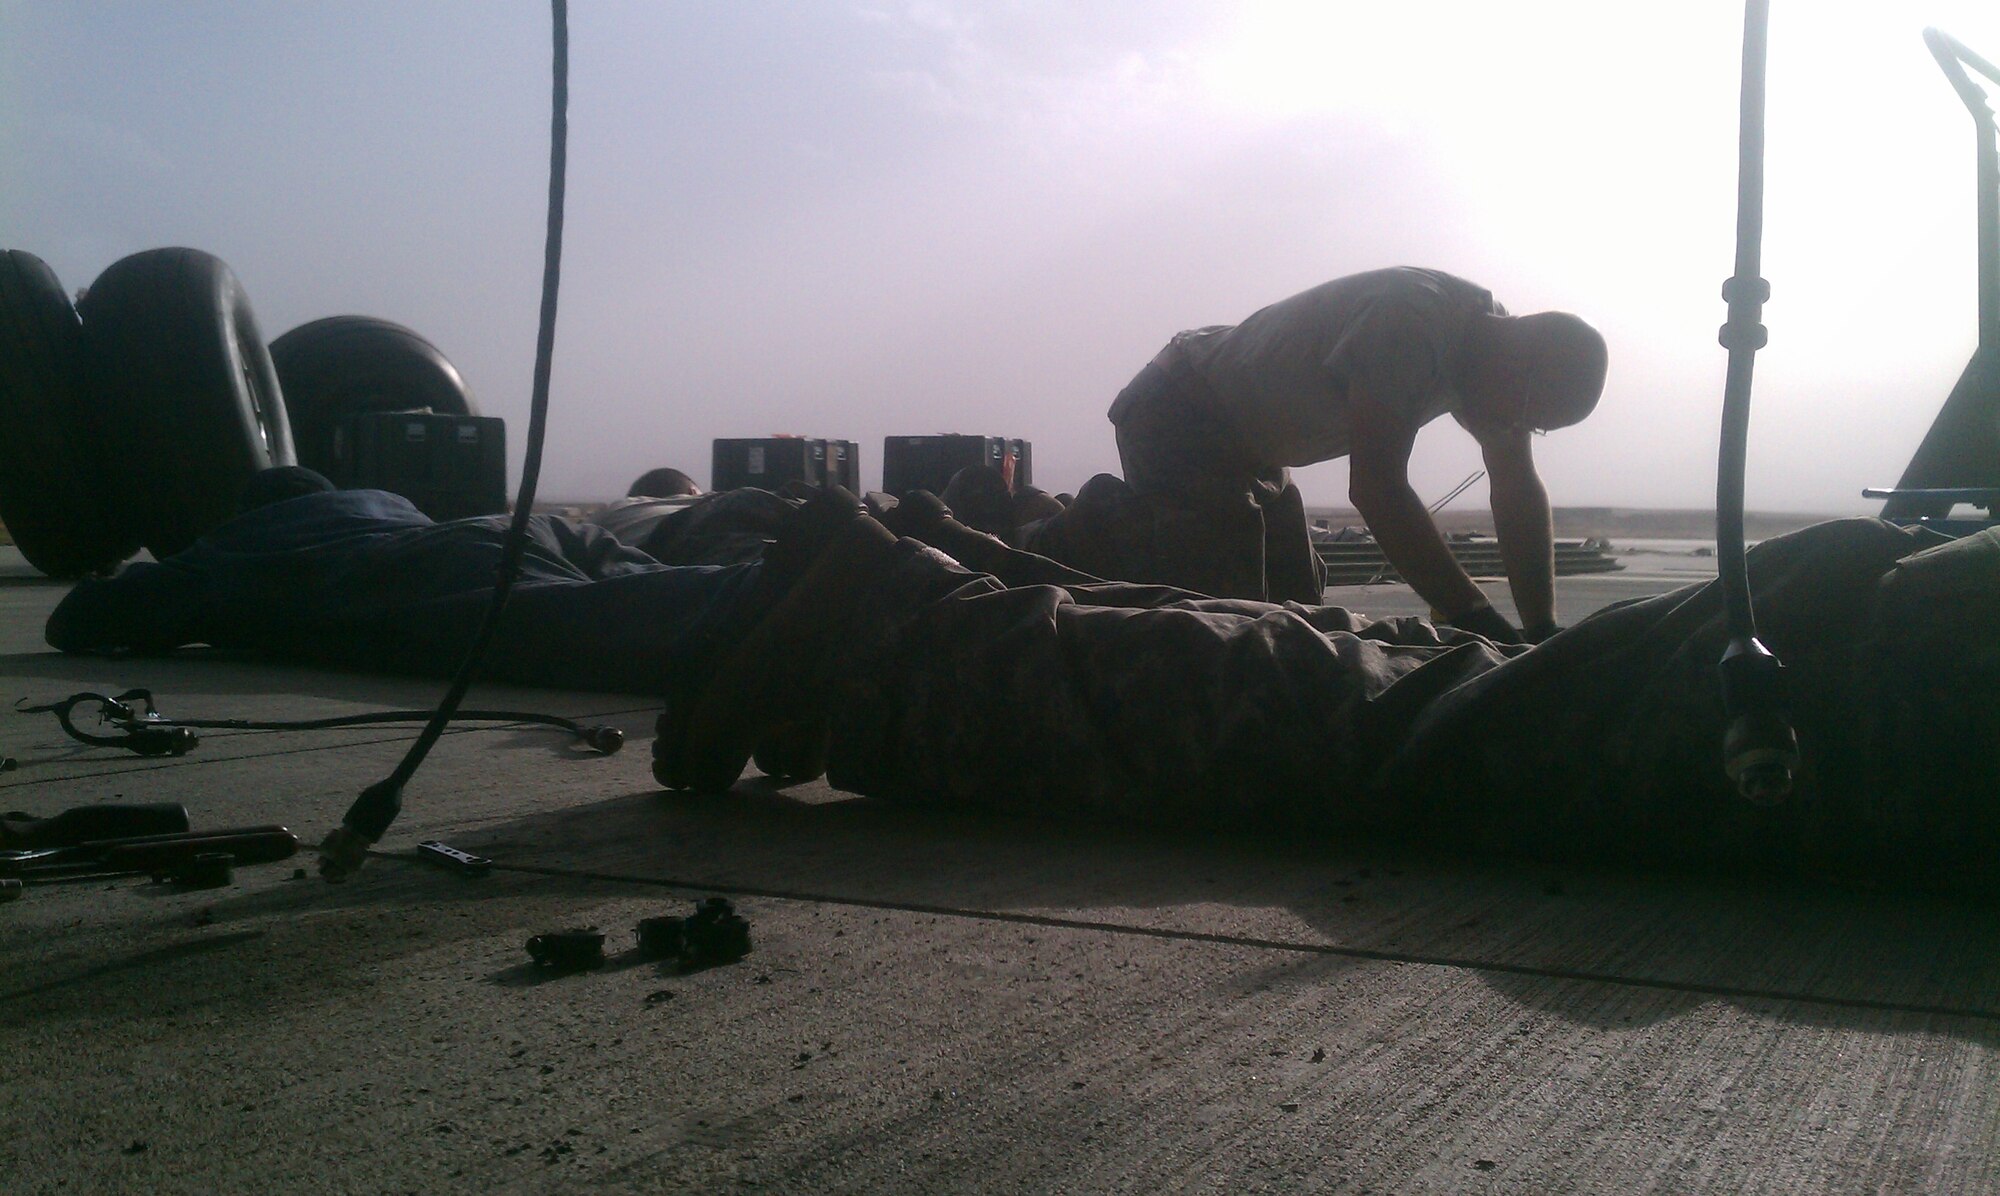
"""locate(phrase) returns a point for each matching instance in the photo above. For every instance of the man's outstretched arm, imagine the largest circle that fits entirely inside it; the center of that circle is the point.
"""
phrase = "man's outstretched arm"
(1522, 521)
(1379, 487)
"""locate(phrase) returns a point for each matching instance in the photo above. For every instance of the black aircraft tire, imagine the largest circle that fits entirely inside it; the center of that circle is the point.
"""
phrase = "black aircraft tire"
(352, 365)
(188, 406)
(51, 494)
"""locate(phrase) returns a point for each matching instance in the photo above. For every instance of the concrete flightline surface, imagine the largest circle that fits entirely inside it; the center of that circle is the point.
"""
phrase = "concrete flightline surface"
(935, 1001)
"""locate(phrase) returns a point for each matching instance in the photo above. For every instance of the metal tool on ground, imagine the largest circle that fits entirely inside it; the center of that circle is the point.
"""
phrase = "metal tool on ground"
(139, 727)
(445, 855)
(199, 856)
(86, 824)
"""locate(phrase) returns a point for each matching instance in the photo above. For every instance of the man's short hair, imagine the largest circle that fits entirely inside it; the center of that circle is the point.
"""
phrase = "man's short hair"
(663, 483)
(1571, 362)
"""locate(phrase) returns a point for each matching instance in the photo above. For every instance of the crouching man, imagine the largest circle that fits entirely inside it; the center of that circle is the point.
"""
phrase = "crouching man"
(1354, 368)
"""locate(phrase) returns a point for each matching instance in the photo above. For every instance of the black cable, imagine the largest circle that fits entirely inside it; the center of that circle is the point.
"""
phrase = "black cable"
(1744, 334)
(371, 814)
(589, 734)
(1760, 752)
(142, 729)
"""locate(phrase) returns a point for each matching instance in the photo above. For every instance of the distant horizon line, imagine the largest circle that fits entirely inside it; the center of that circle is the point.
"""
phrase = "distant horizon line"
(1312, 509)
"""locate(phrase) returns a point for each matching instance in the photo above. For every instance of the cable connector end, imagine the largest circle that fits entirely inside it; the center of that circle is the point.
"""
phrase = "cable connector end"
(342, 853)
(1760, 751)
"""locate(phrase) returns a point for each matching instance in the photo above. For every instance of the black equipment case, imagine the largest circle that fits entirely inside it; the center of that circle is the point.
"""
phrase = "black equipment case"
(928, 462)
(450, 466)
(772, 461)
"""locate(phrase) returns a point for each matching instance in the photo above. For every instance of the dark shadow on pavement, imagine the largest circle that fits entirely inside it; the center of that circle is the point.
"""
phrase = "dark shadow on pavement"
(1603, 948)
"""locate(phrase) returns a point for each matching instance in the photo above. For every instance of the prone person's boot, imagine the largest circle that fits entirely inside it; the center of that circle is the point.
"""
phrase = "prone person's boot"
(1089, 534)
(710, 729)
(803, 533)
(773, 696)
(980, 498)
(924, 516)
(793, 750)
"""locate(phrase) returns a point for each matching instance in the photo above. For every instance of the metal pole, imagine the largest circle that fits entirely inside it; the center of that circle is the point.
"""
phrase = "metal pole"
(1953, 57)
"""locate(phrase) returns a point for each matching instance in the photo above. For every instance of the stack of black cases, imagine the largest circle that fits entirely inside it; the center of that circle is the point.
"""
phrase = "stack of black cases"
(770, 462)
(928, 462)
(449, 466)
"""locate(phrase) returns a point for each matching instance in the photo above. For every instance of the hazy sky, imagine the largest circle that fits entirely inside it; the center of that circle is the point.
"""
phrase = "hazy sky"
(859, 218)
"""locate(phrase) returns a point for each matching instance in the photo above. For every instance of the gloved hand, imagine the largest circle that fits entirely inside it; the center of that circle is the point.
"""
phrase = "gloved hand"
(1483, 620)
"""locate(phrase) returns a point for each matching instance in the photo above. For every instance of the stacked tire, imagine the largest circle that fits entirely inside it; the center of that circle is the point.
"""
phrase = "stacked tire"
(53, 499)
(186, 400)
(136, 417)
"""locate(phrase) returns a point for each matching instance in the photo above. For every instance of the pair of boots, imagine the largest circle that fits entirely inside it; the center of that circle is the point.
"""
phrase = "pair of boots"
(833, 581)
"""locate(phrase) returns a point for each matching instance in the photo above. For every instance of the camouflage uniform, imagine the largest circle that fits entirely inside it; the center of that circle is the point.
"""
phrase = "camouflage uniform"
(729, 527)
(1603, 744)
(1137, 701)
(1607, 739)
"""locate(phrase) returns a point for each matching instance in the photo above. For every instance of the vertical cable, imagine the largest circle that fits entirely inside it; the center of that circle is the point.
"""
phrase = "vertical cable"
(376, 808)
(1760, 752)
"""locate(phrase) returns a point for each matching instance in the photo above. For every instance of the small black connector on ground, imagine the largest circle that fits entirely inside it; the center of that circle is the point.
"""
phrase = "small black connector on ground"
(714, 934)
(577, 949)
